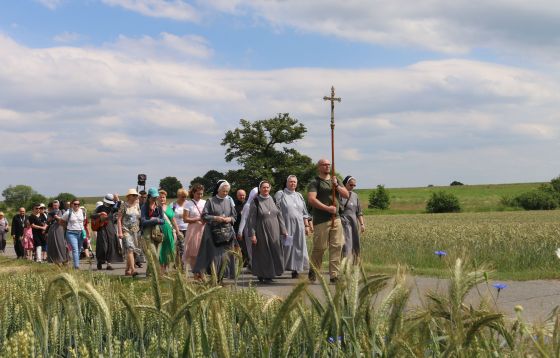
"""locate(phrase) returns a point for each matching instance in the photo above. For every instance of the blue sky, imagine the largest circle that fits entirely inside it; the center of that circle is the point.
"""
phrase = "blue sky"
(93, 92)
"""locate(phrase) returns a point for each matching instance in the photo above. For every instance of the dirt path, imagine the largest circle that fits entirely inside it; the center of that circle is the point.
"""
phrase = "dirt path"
(537, 297)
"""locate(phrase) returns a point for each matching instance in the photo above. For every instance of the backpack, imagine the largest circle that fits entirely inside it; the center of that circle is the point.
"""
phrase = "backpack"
(97, 223)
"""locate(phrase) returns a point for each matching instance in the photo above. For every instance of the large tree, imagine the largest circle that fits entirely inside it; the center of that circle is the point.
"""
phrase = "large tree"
(209, 180)
(260, 148)
(18, 196)
(170, 185)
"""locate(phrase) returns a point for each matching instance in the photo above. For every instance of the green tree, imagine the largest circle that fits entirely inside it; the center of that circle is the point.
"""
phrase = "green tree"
(18, 196)
(443, 202)
(170, 185)
(64, 197)
(36, 199)
(209, 180)
(260, 148)
(379, 198)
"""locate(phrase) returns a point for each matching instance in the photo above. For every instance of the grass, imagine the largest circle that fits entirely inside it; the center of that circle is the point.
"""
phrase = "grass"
(473, 198)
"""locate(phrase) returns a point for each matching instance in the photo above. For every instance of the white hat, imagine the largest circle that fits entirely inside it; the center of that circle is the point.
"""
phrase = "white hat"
(109, 199)
(132, 192)
(98, 204)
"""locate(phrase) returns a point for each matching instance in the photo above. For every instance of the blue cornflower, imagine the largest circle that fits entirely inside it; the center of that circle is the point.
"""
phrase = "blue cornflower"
(331, 339)
(440, 253)
(499, 286)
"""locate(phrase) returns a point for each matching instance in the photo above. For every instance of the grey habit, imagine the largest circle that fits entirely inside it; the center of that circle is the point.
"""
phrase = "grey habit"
(293, 209)
(208, 252)
(351, 209)
(57, 250)
(266, 222)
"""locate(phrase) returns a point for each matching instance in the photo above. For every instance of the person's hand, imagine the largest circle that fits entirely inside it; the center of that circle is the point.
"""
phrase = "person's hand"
(307, 230)
(335, 180)
(254, 239)
(116, 197)
(239, 237)
(331, 209)
(362, 228)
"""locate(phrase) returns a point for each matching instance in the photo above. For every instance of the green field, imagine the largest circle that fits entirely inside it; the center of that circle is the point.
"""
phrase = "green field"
(518, 245)
(473, 198)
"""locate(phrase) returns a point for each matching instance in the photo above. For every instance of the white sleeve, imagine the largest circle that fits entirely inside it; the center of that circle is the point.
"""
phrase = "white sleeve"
(65, 216)
(243, 222)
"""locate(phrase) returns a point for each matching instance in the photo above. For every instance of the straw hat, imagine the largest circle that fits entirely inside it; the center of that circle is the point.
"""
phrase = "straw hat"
(132, 192)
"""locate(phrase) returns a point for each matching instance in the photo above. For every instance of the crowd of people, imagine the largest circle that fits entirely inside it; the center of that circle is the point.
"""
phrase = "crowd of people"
(267, 232)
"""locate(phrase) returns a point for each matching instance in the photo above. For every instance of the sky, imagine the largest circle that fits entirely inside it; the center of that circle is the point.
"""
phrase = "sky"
(93, 92)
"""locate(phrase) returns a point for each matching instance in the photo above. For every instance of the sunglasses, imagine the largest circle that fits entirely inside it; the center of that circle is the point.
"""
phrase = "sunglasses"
(76, 204)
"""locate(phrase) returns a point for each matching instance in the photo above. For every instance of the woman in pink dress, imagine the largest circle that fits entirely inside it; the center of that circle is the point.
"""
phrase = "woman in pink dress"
(192, 215)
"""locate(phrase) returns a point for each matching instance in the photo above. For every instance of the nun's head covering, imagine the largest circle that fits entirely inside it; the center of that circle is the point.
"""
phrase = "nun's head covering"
(288, 178)
(219, 184)
(347, 179)
(252, 194)
(263, 182)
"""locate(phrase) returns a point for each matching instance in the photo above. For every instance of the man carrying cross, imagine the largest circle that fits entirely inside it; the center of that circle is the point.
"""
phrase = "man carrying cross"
(328, 230)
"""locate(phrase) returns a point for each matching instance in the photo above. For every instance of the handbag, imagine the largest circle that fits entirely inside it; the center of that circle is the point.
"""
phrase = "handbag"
(156, 235)
(221, 234)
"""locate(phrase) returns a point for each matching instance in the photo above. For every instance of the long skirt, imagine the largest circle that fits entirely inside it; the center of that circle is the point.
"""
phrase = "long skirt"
(57, 248)
(219, 257)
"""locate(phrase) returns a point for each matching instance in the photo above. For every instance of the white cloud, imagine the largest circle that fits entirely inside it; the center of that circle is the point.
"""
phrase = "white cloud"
(82, 111)
(51, 4)
(168, 46)
(451, 27)
(171, 9)
(67, 37)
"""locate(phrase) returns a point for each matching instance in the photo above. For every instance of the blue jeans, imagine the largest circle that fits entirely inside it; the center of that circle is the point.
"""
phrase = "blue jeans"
(75, 240)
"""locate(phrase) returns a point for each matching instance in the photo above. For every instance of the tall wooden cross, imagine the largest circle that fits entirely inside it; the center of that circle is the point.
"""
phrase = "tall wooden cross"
(332, 99)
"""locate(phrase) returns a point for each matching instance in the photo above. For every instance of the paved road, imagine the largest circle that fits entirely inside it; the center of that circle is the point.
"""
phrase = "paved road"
(538, 297)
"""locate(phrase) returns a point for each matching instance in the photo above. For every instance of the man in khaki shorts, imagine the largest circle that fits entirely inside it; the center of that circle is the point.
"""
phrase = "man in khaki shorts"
(319, 196)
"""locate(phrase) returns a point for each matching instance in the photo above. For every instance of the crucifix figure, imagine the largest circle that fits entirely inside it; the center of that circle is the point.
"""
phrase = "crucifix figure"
(332, 99)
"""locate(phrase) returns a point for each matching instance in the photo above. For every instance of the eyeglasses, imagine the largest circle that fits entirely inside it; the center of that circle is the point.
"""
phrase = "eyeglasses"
(76, 204)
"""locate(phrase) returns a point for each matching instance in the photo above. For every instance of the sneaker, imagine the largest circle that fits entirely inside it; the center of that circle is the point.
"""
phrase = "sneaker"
(295, 274)
(99, 267)
(109, 268)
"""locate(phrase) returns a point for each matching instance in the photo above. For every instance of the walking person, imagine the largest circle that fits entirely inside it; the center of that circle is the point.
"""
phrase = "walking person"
(240, 200)
(265, 226)
(39, 227)
(27, 240)
(128, 226)
(243, 234)
(296, 219)
(179, 209)
(170, 232)
(352, 220)
(4, 229)
(192, 215)
(18, 224)
(74, 219)
(151, 221)
(217, 239)
(57, 249)
(326, 220)
(106, 246)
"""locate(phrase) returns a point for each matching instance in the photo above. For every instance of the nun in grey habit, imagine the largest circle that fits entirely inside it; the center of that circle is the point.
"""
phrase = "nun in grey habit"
(265, 226)
(296, 220)
(219, 211)
(352, 220)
